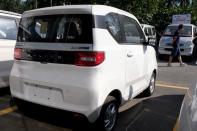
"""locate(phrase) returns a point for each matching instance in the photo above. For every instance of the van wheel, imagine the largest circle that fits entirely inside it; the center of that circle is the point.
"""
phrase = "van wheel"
(109, 113)
(160, 56)
(194, 53)
(151, 88)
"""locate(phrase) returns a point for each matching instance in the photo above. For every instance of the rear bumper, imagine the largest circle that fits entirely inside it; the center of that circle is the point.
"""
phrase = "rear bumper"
(45, 112)
(65, 97)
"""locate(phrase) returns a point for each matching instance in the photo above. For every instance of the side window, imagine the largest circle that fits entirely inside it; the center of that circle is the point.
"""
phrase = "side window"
(146, 31)
(154, 31)
(195, 31)
(113, 26)
(132, 31)
(8, 29)
(149, 32)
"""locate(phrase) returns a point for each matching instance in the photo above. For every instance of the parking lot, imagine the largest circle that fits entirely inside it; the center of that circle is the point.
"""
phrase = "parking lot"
(156, 113)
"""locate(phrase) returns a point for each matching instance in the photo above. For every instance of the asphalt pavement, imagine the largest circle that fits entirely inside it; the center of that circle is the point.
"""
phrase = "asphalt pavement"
(156, 113)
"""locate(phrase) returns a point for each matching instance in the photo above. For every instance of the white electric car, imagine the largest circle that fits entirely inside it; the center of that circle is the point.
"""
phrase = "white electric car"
(8, 31)
(87, 59)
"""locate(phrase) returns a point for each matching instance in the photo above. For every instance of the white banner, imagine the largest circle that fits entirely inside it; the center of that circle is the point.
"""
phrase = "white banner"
(181, 19)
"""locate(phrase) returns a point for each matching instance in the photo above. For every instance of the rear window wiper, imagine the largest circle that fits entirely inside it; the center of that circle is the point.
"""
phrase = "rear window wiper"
(25, 29)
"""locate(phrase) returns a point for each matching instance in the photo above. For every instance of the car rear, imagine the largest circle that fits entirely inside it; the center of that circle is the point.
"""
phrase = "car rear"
(55, 64)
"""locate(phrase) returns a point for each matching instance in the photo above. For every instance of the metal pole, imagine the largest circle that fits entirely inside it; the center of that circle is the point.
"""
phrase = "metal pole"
(51, 2)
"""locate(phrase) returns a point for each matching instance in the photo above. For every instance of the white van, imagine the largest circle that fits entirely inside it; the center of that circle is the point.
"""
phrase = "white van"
(186, 40)
(82, 59)
(8, 31)
(150, 32)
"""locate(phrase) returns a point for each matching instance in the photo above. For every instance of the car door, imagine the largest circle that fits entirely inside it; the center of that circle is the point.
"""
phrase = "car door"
(134, 55)
(8, 32)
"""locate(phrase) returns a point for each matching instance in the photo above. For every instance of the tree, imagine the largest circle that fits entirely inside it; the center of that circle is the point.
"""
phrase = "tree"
(10, 5)
(184, 3)
(154, 12)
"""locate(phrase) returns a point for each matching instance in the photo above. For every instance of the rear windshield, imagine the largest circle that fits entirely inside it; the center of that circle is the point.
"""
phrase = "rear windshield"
(56, 29)
(170, 30)
(8, 29)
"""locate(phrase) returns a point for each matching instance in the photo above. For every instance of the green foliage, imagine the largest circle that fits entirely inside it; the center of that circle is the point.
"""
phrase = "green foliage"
(10, 5)
(154, 12)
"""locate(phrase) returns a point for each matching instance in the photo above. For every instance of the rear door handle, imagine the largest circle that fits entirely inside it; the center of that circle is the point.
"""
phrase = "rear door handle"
(129, 54)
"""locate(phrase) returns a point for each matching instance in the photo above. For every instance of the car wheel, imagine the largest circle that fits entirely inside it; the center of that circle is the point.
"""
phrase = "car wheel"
(151, 88)
(21, 106)
(12, 102)
(109, 113)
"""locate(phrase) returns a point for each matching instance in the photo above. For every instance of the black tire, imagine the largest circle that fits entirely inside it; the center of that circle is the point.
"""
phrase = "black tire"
(194, 54)
(22, 107)
(108, 115)
(151, 88)
(12, 102)
(190, 58)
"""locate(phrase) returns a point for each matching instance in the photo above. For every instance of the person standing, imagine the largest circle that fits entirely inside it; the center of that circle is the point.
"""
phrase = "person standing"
(195, 49)
(176, 49)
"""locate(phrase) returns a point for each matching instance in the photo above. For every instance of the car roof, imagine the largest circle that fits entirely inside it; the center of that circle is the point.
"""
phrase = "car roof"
(76, 9)
(9, 14)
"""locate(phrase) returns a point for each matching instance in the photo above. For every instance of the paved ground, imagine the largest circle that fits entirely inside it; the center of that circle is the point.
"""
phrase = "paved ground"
(156, 113)
(178, 75)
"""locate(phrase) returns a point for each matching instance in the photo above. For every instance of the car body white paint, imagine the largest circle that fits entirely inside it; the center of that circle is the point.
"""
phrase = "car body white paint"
(6, 47)
(126, 68)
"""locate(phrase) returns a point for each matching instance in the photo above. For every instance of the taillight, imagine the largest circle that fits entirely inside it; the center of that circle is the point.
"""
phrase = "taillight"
(89, 58)
(17, 53)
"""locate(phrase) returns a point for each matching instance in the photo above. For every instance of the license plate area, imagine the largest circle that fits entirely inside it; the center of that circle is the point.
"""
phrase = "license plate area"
(43, 93)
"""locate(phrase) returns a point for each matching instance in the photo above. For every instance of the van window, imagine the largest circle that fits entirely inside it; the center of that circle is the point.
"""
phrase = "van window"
(187, 31)
(8, 29)
(132, 31)
(146, 31)
(113, 26)
(56, 29)
(154, 31)
(194, 31)
(149, 32)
